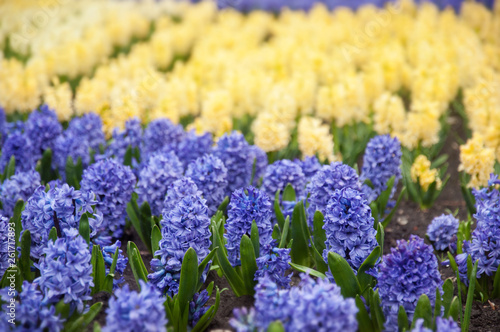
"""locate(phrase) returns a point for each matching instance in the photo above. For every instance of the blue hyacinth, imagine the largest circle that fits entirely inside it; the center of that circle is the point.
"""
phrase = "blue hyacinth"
(160, 171)
(193, 146)
(442, 232)
(485, 243)
(108, 253)
(446, 325)
(159, 134)
(210, 176)
(70, 145)
(311, 306)
(113, 183)
(381, 161)
(42, 128)
(348, 226)
(274, 264)
(89, 129)
(246, 205)
(131, 136)
(310, 166)
(197, 307)
(4, 245)
(19, 146)
(233, 150)
(177, 191)
(31, 314)
(410, 270)
(243, 320)
(66, 271)
(131, 311)
(187, 225)
(3, 125)
(20, 186)
(60, 207)
(323, 185)
(281, 173)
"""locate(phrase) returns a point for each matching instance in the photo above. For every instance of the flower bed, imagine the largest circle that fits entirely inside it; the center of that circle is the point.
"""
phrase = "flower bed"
(189, 168)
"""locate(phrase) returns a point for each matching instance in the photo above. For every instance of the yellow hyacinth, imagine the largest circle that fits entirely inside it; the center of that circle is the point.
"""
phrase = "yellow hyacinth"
(422, 173)
(477, 160)
(314, 138)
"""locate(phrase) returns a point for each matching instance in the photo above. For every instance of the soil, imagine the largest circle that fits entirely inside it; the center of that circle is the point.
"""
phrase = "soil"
(409, 219)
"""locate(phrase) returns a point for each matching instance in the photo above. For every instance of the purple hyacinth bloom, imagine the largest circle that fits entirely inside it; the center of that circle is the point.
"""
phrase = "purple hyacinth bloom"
(3, 125)
(233, 150)
(20, 186)
(381, 161)
(42, 128)
(310, 166)
(409, 271)
(259, 157)
(60, 207)
(281, 173)
(348, 226)
(274, 264)
(131, 136)
(446, 325)
(197, 307)
(113, 183)
(66, 271)
(160, 171)
(246, 205)
(187, 225)
(210, 176)
(131, 311)
(108, 253)
(177, 191)
(89, 129)
(442, 232)
(31, 314)
(70, 145)
(311, 306)
(193, 146)
(323, 185)
(419, 326)
(243, 320)
(19, 146)
(4, 245)
(159, 134)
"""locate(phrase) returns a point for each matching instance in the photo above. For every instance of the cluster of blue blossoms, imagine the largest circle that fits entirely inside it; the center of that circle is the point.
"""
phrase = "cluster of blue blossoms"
(442, 232)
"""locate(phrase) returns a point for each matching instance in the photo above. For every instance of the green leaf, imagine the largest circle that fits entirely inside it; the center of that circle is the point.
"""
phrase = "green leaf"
(289, 194)
(84, 228)
(16, 220)
(155, 239)
(470, 298)
(389, 217)
(223, 205)
(98, 269)
(496, 285)
(385, 195)
(276, 327)
(254, 236)
(376, 310)
(136, 263)
(248, 264)
(364, 320)
(207, 318)
(276, 235)
(202, 266)
(46, 167)
(424, 311)
(127, 159)
(319, 261)
(300, 247)
(365, 280)
(24, 261)
(133, 215)
(277, 210)
(284, 234)
(447, 295)
(344, 275)
(97, 327)
(146, 225)
(71, 173)
(53, 234)
(189, 278)
(455, 309)
(437, 305)
(10, 169)
(319, 235)
(229, 272)
(380, 236)
(403, 323)
(83, 321)
(308, 270)
(12, 273)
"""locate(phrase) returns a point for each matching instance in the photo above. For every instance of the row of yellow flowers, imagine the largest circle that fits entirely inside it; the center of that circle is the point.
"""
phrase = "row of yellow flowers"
(396, 68)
